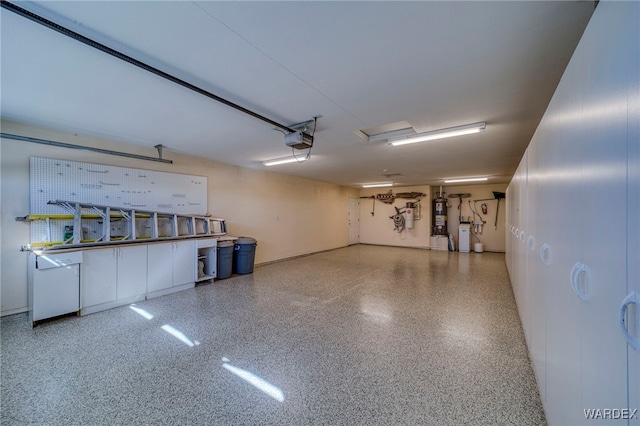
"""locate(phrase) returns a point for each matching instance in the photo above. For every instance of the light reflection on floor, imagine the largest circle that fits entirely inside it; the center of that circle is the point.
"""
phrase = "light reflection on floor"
(255, 381)
(179, 335)
(143, 313)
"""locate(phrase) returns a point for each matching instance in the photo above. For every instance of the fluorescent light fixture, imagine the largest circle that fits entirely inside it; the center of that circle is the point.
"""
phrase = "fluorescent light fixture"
(466, 180)
(285, 160)
(467, 129)
(377, 185)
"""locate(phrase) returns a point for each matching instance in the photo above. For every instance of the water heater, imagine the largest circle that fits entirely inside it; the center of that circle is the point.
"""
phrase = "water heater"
(440, 216)
(409, 213)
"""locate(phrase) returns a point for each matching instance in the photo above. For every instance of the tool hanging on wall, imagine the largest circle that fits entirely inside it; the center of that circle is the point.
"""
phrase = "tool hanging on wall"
(390, 197)
(460, 197)
(496, 196)
(398, 220)
(410, 195)
(387, 198)
(499, 196)
(477, 224)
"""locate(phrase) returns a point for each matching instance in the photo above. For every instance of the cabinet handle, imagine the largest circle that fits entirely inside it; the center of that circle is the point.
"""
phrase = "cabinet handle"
(545, 254)
(631, 298)
(578, 269)
(531, 243)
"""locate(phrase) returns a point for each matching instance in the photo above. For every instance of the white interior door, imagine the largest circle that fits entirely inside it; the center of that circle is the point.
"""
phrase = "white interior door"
(354, 221)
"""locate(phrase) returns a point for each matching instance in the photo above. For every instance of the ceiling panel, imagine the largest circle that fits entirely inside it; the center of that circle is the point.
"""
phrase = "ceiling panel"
(357, 65)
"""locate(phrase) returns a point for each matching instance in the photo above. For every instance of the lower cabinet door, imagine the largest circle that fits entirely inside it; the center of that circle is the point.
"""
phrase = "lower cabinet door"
(132, 273)
(98, 276)
(159, 266)
(184, 253)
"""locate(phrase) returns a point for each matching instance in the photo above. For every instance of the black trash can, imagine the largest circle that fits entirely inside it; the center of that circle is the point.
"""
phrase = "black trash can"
(244, 255)
(225, 259)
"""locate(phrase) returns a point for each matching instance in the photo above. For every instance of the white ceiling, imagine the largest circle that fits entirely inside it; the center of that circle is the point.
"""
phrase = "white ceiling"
(357, 65)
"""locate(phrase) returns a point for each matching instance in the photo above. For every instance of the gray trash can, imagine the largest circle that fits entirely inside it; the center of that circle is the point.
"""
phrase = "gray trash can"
(244, 255)
(225, 259)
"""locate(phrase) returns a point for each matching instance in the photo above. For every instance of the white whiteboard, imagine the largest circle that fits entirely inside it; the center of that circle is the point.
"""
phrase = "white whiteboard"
(122, 187)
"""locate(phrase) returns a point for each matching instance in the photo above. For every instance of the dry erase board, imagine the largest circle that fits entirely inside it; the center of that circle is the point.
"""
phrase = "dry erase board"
(122, 187)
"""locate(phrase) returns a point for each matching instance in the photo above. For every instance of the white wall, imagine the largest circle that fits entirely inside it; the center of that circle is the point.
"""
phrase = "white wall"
(492, 238)
(378, 228)
(288, 216)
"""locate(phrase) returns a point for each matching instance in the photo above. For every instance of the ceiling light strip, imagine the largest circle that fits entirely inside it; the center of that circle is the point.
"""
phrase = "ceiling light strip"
(377, 185)
(284, 160)
(440, 134)
(466, 180)
(89, 42)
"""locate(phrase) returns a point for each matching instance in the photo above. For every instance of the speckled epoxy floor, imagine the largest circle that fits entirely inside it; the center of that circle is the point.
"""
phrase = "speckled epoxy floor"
(364, 335)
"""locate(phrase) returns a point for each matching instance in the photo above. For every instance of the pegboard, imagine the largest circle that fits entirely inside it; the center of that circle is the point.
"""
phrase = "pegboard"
(123, 187)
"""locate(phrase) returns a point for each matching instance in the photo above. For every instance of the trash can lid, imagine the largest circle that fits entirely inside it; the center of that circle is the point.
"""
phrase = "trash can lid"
(246, 240)
(225, 244)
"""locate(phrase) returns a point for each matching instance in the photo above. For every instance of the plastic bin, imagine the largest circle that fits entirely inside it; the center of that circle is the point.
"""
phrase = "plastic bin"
(225, 259)
(244, 255)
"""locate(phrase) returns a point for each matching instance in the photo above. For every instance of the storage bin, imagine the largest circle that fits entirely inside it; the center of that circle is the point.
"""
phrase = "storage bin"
(225, 259)
(244, 255)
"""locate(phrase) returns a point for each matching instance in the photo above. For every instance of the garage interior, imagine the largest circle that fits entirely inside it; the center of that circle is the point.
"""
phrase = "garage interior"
(354, 312)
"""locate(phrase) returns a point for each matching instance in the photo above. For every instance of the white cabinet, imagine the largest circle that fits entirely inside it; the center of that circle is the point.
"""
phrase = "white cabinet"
(170, 267)
(535, 279)
(559, 202)
(132, 275)
(518, 214)
(54, 284)
(112, 277)
(581, 248)
(632, 321)
(159, 267)
(206, 259)
(183, 264)
(98, 277)
(603, 207)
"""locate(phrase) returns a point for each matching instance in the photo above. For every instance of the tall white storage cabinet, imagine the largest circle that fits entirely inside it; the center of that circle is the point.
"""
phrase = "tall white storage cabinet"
(573, 255)
(633, 222)
(519, 206)
(534, 276)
